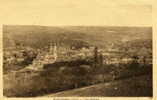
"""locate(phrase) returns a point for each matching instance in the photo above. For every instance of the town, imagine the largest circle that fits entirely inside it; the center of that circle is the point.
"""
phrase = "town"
(59, 66)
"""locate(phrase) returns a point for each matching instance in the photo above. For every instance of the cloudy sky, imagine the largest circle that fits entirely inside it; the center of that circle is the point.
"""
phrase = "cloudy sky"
(76, 12)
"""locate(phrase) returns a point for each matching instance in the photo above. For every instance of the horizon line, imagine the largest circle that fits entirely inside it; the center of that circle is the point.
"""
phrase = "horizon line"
(74, 25)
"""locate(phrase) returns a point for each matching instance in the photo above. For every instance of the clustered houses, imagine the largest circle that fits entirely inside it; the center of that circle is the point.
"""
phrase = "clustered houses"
(55, 53)
(17, 55)
(38, 57)
(44, 57)
(68, 54)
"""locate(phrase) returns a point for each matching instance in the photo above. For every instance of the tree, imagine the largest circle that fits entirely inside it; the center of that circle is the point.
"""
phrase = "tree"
(144, 60)
(101, 60)
(95, 56)
(134, 63)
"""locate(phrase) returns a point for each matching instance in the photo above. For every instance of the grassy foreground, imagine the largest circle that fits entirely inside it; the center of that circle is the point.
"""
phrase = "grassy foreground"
(29, 83)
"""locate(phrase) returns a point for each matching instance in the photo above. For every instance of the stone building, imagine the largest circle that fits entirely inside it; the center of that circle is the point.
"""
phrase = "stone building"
(45, 57)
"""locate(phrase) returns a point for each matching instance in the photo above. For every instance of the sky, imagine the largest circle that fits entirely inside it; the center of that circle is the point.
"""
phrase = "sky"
(76, 12)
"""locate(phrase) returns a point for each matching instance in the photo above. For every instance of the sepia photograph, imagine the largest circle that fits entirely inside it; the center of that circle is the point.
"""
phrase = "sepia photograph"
(71, 51)
(77, 60)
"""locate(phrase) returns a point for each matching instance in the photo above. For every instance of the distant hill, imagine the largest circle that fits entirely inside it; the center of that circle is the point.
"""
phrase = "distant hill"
(39, 36)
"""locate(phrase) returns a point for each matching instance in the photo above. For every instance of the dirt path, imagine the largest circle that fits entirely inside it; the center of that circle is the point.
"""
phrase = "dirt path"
(135, 86)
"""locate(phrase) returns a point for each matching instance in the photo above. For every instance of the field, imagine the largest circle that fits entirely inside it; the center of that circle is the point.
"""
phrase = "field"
(40, 60)
(110, 89)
